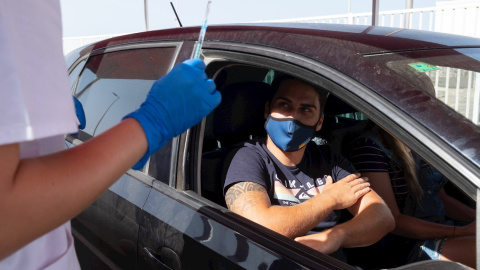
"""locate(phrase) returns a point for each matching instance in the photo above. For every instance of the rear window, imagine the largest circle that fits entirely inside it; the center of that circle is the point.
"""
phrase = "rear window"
(114, 84)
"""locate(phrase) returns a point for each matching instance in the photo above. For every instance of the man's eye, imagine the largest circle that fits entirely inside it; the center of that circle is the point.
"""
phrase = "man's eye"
(307, 109)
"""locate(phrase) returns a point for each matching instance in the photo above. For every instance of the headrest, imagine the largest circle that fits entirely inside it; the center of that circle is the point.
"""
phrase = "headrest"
(333, 108)
(336, 106)
(240, 114)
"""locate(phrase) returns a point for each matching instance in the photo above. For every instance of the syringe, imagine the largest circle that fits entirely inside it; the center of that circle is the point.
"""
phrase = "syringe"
(199, 43)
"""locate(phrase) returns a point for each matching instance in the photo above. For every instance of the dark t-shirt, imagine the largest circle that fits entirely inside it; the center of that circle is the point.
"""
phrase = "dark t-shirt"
(289, 185)
(368, 156)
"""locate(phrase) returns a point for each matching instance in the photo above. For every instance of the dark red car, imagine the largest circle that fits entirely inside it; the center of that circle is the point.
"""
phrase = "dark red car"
(423, 87)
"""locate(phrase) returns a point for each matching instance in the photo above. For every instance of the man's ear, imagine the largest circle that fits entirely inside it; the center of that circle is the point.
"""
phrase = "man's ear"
(320, 122)
(267, 109)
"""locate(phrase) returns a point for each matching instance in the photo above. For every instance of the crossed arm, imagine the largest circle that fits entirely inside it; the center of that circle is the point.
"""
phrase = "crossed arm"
(372, 218)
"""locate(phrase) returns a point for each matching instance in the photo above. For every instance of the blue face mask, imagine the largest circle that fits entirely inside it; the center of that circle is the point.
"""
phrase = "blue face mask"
(289, 134)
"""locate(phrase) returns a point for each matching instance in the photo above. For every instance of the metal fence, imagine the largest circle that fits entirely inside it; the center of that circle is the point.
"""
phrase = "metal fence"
(456, 17)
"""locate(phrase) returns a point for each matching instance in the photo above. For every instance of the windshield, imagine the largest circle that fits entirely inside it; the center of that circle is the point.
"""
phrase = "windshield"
(450, 75)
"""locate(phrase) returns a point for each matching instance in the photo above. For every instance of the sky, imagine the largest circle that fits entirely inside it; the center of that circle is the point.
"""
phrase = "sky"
(106, 17)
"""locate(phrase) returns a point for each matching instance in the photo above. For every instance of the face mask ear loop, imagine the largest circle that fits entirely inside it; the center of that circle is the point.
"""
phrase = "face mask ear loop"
(266, 121)
(319, 119)
(315, 129)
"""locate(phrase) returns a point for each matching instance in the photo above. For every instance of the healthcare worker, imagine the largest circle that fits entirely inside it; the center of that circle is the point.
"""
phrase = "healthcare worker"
(43, 186)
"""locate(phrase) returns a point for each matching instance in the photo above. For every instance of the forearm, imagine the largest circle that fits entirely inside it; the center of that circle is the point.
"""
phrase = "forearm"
(421, 229)
(416, 228)
(465, 214)
(297, 220)
(372, 220)
(290, 221)
(48, 191)
(367, 227)
(457, 210)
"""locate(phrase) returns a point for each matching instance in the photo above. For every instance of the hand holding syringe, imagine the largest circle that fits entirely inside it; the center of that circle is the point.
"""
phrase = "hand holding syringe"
(203, 29)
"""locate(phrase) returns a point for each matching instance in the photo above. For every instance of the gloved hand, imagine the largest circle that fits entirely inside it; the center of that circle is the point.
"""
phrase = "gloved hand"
(80, 114)
(177, 101)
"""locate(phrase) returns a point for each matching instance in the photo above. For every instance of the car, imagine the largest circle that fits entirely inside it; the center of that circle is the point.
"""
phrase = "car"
(423, 87)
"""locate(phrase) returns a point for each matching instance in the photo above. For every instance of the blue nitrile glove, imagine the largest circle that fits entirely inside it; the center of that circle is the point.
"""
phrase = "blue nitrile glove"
(80, 114)
(177, 101)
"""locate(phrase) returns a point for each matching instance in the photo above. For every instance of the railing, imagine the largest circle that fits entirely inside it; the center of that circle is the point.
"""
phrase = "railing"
(454, 17)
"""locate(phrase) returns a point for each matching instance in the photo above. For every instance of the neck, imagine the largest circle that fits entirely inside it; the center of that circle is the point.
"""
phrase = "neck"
(286, 158)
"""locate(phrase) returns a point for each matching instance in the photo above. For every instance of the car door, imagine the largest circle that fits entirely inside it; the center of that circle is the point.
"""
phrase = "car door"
(110, 83)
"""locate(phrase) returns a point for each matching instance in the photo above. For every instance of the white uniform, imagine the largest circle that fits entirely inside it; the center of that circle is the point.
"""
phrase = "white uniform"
(36, 109)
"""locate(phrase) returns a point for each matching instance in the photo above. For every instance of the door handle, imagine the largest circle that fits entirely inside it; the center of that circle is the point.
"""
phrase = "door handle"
(166, 258)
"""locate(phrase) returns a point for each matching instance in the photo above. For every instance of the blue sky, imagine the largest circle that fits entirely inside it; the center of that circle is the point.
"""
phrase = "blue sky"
(102, 17)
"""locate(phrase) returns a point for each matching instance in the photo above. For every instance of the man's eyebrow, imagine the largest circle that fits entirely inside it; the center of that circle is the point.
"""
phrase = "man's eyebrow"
(283, 98)
(306, 105)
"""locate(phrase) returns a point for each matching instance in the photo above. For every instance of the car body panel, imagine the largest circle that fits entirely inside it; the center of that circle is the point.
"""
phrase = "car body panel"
(194, 233)
(111, 223)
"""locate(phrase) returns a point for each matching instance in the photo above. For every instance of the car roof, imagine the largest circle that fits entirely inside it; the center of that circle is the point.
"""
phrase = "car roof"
(358, 39)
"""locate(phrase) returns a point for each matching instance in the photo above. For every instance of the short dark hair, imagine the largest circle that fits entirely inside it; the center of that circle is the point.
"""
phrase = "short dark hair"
(322, 93)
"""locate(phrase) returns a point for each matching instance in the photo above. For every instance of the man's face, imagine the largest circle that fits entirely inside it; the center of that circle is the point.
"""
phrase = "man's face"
(298, 101)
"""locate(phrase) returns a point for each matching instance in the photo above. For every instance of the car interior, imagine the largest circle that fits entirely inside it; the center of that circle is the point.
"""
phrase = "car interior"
(240, 117)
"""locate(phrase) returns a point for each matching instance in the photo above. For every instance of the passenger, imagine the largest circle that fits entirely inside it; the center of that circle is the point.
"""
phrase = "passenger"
(431, 224)
(297, 188)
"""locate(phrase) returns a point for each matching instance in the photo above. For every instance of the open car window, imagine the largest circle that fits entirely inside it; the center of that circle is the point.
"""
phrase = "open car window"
(225, 130)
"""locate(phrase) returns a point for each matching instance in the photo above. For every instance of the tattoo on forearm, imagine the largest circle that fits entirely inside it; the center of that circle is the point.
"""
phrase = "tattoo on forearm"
(238, 189)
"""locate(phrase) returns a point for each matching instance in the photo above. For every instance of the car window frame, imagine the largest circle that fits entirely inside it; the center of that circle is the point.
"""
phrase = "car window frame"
(143, 176)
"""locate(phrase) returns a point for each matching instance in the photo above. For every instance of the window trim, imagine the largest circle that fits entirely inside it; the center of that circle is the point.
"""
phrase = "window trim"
(124, 47)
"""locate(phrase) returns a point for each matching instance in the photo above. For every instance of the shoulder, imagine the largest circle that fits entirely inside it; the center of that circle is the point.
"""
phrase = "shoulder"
(251, 149)
(367, 144)
(368, 155)
(249, 157)
(320, 160)
(365, 141)
(249, 164)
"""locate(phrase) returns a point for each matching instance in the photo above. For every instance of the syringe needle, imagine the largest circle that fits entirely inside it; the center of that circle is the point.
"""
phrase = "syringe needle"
(203, 29)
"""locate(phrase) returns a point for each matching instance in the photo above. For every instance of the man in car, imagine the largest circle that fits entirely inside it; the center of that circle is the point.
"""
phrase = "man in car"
(43, 187)
(292, 186)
